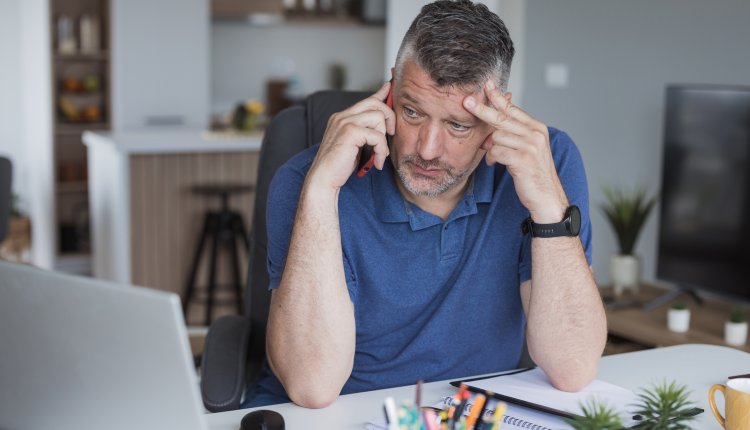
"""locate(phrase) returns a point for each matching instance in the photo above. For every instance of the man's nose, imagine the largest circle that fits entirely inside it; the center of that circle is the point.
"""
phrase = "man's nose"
(430, 144)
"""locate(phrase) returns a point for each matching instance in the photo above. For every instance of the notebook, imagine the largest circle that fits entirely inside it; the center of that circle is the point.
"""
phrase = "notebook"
(78, 353)
(531, 389)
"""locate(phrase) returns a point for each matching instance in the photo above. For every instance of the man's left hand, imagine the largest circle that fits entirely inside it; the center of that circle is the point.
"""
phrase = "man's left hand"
(521, 143)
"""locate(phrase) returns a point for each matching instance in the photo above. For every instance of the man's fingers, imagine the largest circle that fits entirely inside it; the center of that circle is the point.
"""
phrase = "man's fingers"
(502, 102)
(376, 102)
(494, 117)
(379, 145)
(371, 119)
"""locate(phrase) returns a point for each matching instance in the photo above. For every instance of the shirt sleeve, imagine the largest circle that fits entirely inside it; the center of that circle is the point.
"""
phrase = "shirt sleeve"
(572, 174)
(281, 209)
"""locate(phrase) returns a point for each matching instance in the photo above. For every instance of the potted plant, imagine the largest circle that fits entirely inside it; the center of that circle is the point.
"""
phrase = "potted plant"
(678, 317)
(627, 213)
(663, 407)
(735, 328)
(596, 416)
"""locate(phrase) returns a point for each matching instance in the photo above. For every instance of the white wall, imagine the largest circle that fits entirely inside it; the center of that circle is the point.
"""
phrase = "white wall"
(621, 55)
(244, 57)
(160, 58)
(36, 120)
(10, 101)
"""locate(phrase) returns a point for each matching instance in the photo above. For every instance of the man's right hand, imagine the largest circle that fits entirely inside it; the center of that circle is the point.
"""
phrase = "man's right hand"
(365, 123)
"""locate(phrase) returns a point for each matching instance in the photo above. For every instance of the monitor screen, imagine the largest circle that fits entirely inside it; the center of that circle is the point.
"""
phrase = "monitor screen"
(704, 239)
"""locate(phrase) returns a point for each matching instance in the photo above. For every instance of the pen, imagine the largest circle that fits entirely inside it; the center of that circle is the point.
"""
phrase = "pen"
(483, 416)
(497, 417)
(476, 410)
(418, 400)
(429, 417)
(463, 397)
(391, 418)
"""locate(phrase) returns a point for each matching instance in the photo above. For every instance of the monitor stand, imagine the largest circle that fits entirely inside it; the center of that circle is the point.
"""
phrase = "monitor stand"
(671, 295)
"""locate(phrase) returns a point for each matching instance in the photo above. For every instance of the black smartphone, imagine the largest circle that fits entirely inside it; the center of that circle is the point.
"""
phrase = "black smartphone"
(366, 155)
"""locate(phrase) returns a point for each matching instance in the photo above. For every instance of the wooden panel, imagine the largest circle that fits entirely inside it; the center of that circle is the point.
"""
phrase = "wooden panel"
(650, 328)
(167, 217)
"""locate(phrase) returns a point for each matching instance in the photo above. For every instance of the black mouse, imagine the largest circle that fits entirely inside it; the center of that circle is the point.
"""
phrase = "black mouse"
(263, 419)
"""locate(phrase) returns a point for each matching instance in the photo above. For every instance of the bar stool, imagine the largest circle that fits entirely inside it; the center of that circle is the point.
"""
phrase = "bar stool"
(226, 228)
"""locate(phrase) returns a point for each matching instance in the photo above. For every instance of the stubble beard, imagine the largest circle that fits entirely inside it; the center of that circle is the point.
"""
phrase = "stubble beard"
(424, 186)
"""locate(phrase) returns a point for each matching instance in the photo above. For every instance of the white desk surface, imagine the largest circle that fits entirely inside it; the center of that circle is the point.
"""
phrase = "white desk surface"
(698, 366)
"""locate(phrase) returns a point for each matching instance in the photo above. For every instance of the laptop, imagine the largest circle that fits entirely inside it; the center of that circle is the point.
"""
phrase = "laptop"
(81, 353)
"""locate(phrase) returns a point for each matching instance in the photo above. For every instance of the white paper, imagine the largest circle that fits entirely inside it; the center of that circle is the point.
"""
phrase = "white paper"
(534, 387)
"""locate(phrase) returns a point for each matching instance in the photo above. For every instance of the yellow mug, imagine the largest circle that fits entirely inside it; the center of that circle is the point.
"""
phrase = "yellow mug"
(736, 404)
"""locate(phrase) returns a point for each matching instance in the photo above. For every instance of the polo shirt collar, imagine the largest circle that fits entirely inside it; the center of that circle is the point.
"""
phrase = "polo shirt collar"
(391, 206)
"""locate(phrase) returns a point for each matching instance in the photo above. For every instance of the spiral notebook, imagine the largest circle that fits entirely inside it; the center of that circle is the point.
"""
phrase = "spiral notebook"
(531, 389)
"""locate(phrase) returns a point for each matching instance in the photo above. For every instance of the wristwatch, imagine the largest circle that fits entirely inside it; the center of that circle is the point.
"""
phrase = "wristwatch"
(570, 226)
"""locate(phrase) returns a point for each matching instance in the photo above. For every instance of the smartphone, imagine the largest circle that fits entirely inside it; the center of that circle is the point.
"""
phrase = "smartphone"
(366, 154)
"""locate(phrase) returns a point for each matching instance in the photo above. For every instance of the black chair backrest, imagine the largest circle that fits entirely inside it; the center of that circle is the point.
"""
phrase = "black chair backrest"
(6, 200)
(291, 131)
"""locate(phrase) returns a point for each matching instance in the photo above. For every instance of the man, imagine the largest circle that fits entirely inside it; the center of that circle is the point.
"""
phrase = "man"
(420, 269)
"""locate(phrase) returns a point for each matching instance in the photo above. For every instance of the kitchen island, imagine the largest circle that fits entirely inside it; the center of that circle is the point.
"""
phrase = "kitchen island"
(145, 220)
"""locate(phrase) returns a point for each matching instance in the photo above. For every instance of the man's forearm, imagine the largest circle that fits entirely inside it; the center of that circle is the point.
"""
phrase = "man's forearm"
(567, 327)
(311, 329)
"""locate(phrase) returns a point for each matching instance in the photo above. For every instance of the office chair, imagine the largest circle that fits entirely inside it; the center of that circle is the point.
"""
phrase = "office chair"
(6, 200)
(235, 346)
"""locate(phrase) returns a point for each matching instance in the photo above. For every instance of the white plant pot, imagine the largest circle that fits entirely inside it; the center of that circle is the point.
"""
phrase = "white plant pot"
(678, 320)
(735, 333)
(624, 273)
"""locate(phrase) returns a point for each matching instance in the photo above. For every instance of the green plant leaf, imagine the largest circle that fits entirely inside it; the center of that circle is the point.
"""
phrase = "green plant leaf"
(627, 212)
(596, 416)
(665, 406)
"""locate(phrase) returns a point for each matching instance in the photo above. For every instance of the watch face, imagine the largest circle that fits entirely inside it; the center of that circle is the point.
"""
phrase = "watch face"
(574, 214)
(574, 220)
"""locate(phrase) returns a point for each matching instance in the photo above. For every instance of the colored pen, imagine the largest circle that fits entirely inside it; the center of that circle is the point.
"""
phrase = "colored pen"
(391, 418)
(430, 419)
(483, 416)
(476, 409)
(418, 400)
(497, 417)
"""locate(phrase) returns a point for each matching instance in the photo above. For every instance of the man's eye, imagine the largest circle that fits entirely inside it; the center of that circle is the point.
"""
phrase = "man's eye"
(458, 127)
(410, 112)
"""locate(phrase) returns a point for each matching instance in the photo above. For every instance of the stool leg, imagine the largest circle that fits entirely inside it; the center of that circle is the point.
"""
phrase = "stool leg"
(212, 268)
(239, 226)
(190, 286)
(236, 266)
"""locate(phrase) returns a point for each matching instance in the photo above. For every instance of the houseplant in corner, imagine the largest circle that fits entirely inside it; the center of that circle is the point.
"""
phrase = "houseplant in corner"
(735, 328)
(627, 213)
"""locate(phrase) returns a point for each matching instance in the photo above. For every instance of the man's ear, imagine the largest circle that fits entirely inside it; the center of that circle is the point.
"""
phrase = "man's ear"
(508, 96)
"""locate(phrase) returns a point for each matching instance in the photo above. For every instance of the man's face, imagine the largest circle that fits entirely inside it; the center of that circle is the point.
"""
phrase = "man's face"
(437, 143)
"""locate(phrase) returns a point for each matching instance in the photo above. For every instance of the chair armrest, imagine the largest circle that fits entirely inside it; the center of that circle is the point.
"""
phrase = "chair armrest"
(224, 363)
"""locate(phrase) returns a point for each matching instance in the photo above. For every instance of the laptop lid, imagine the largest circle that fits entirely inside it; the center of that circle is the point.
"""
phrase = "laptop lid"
(80, 353)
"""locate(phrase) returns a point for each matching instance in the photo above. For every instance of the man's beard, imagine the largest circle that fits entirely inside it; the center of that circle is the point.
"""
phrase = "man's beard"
(430, 187)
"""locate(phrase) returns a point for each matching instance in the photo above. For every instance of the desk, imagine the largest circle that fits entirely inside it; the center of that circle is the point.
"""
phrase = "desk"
(694, 365)
(649, 328)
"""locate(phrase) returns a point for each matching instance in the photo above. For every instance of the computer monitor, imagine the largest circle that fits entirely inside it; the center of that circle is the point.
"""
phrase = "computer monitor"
(704, 223)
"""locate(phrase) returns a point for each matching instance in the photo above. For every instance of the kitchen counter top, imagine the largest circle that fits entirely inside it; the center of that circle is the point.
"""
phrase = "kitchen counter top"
(174, 140)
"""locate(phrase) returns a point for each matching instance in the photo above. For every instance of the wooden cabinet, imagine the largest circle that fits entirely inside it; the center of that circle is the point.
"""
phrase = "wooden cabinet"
(81, 101)
(649, 328)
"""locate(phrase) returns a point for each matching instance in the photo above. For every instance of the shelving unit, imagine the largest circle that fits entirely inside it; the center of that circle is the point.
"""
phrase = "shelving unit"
(80, 59)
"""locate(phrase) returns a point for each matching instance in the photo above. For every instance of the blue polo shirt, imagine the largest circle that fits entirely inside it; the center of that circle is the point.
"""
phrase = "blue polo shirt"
(433, 299)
